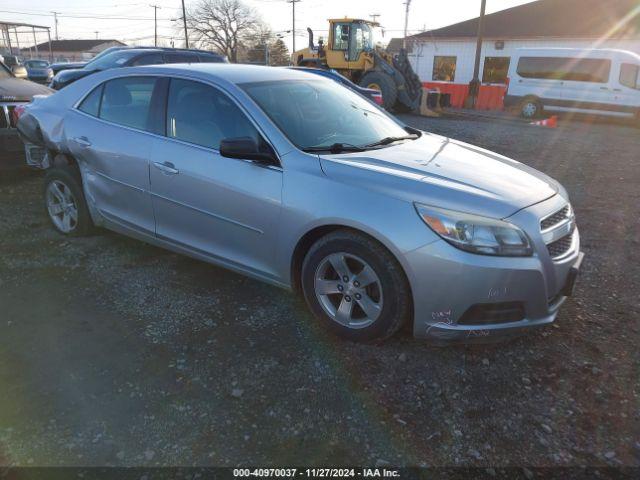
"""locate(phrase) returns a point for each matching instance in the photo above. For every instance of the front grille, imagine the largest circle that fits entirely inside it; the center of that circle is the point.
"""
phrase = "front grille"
(560, 246)
(554, 219)
(489, 313)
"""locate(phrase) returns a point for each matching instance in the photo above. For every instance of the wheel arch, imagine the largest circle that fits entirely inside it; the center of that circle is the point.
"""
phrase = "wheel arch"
(312, 235)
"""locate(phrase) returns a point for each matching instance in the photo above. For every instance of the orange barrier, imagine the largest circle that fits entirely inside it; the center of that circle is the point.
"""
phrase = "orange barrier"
(490, 97)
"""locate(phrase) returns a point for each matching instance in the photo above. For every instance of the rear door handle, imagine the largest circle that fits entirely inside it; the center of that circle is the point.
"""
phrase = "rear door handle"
(604, 88)
(82, 141)
(166, 167)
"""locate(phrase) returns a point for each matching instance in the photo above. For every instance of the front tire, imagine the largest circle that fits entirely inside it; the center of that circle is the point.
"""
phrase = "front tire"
(355, 287)
(65, 203)
(383, 83)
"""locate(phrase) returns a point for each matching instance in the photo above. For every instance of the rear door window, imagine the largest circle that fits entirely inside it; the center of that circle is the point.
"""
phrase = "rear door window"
(152, 59)
(180, 58)
(127, 101)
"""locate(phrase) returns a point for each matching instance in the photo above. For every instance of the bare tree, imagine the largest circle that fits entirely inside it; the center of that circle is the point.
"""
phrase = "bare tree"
(223, 25)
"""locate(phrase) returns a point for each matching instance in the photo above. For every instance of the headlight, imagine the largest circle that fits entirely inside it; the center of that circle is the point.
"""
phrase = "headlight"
(476, 234)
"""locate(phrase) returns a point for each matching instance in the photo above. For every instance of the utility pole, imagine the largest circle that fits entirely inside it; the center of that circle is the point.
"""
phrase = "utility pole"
(293, 27)
(374, 17)
(155, 24)
(474, 85)
(406, 23)
(55, 23)
(184, 21)
(96, 32)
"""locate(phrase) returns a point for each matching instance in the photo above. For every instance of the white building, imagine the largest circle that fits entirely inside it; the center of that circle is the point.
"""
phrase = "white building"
(444, 58)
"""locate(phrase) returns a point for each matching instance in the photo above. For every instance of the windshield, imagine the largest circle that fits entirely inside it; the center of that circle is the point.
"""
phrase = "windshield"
(314, 114)
(36, 64)
(111, 60)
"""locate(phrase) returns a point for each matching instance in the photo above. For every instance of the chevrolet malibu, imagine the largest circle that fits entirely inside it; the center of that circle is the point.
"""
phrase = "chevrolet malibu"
(292, 179)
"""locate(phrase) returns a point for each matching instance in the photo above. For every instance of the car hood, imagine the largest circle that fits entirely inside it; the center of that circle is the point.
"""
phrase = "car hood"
(439, 171)
(16, 89)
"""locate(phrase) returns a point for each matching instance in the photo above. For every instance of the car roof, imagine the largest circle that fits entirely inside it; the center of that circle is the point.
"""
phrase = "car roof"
(232, 72)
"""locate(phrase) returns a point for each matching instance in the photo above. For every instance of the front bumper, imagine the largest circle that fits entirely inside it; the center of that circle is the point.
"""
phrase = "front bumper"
(450, 286)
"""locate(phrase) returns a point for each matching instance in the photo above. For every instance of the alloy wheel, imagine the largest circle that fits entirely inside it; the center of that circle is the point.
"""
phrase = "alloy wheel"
(349, 290)
(62, 206)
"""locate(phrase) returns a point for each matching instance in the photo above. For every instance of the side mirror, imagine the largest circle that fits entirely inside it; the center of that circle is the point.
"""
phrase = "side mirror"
(245, 148)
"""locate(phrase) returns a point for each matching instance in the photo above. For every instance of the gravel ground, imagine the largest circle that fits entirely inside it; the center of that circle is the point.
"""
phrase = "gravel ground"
(114, 352)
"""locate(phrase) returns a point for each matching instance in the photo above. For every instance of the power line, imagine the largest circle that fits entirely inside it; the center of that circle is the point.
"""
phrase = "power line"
(92, 17)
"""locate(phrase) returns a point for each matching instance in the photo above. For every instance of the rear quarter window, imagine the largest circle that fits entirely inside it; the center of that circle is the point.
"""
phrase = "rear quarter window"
(91, 103)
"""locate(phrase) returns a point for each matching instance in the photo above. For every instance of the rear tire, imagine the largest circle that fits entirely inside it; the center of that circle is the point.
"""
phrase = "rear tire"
(366, 298)
(65, 203)
(530, 108)
(384, 83)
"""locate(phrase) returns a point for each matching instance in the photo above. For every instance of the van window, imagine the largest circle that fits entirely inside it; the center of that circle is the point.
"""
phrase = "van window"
(126, 101)
(444, 69)
(495, 70)
(565, 68)
(629, 75)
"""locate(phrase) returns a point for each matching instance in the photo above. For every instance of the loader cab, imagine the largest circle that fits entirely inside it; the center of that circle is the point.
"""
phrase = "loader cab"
(348, 38)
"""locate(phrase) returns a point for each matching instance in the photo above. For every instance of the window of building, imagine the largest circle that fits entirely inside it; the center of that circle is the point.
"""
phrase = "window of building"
(200, 114)
(564, 68)
(495, 70)
(91, 103)
(629, 75)
(127, 101)
(341, 36)
(444, 69)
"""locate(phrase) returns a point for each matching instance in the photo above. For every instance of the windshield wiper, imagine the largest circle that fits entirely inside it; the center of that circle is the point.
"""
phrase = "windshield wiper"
(335, 148)
(388, 140)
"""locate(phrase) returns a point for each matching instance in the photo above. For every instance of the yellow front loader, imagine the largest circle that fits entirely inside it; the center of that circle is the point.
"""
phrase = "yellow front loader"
(353, 50)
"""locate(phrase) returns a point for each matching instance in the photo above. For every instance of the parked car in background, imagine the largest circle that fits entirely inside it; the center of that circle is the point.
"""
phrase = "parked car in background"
(370, 93)
(130, 57)
(15, 65)
(14, 93)
(600, 81)
(66, 65)
(39, 71)
(289, 178)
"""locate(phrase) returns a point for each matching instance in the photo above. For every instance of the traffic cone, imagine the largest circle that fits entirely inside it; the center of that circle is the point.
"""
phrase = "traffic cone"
(551, 122)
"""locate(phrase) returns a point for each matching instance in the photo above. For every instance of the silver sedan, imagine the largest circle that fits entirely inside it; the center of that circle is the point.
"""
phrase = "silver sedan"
(292, 179)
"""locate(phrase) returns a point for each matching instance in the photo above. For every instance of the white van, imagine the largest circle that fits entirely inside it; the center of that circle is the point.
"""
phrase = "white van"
(602, 81)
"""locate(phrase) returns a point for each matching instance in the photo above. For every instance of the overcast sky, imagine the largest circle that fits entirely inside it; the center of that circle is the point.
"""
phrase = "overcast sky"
(135, 17)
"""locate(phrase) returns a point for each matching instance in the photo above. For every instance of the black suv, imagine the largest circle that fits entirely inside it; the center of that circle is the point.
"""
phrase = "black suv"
(132, 57)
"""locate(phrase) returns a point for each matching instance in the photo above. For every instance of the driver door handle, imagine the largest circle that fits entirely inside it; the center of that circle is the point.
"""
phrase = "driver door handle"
(166, 167)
